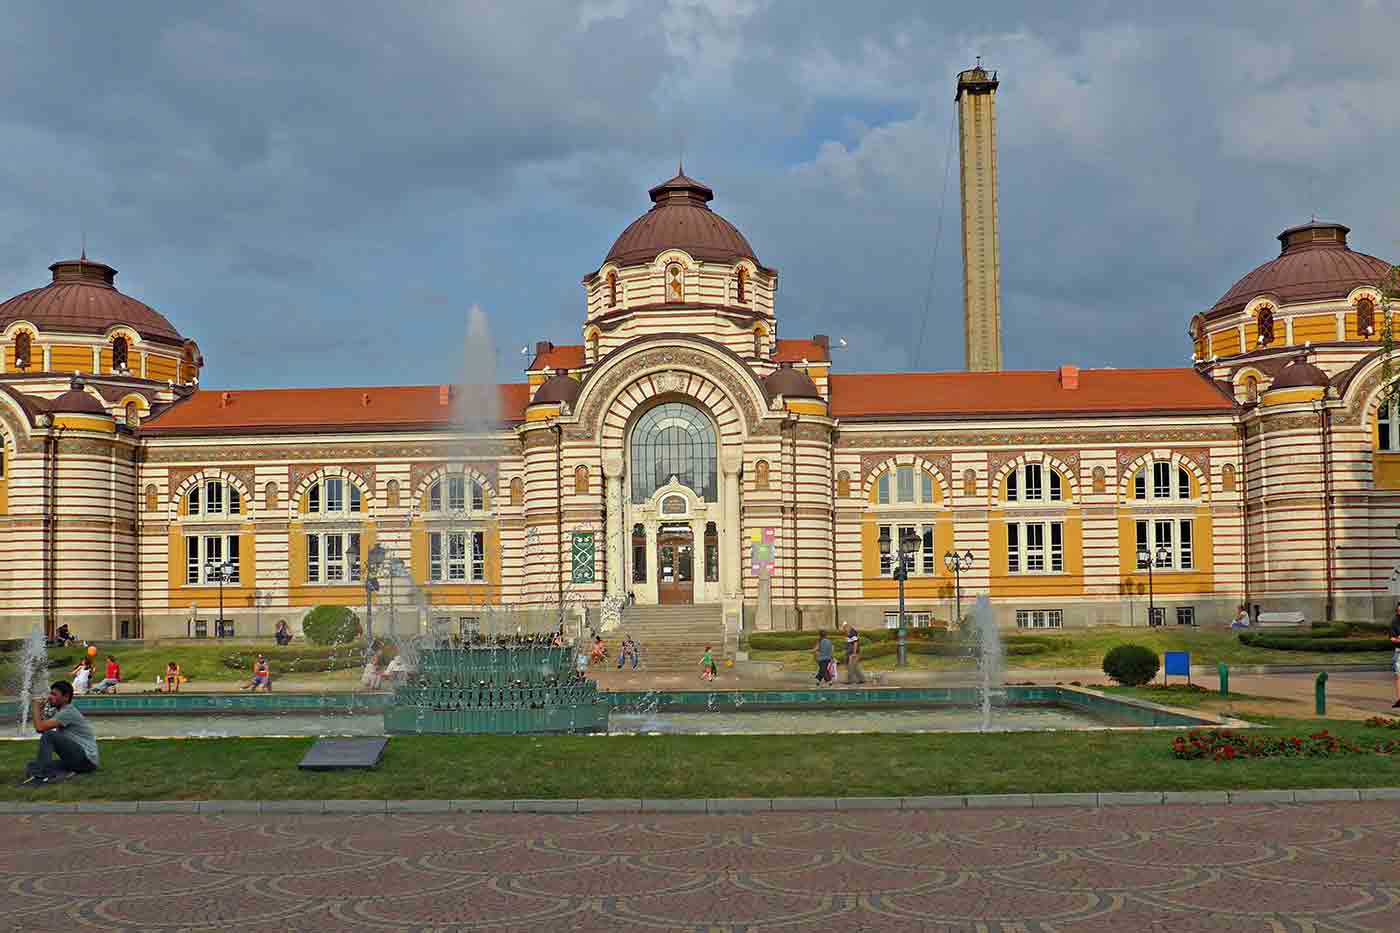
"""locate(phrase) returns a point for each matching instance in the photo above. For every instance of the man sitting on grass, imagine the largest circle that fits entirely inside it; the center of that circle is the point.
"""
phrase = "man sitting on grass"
(67, 744)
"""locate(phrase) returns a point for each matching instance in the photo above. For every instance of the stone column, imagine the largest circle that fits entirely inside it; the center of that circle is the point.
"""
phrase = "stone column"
(614, 541)
(730, 579)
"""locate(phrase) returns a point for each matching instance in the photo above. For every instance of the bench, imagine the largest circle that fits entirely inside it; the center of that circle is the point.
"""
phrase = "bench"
(1280, 618)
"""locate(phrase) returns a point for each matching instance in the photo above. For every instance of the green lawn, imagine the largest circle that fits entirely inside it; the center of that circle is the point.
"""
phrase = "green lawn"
(202, 663)
(1085, 648)
(436, 767)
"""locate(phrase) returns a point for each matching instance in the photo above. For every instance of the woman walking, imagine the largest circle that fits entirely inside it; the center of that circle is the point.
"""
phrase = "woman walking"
(825, 655)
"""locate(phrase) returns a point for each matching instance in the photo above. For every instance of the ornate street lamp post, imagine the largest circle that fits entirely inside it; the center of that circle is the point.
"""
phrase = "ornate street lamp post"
(1146, 561)
(958, 563)
(220, 571)
(371, 572)
(904, 560)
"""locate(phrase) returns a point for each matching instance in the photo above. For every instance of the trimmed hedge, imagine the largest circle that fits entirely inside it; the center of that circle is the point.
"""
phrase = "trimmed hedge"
(1328, 644)
(331, 625)
(307, 659)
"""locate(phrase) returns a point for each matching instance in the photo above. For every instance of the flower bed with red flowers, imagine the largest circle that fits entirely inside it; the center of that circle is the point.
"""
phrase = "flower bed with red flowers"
(1383, 722)
(1227, 745)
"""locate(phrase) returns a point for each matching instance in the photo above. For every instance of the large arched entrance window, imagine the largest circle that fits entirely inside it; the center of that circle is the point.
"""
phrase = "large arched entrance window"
(674, 439)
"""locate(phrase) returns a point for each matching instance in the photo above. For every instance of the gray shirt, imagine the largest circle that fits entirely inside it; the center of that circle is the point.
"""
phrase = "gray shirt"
(76, 727)
(824, 650)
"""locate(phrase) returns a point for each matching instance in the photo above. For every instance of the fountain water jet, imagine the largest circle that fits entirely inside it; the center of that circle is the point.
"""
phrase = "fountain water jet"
(33, 661)
(990, 658)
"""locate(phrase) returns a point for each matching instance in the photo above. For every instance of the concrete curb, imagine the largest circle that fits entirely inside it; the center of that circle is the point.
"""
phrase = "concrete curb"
(729, 805)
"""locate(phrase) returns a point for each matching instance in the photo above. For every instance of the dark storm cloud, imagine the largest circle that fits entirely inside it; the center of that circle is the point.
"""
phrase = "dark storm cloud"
(380, 168)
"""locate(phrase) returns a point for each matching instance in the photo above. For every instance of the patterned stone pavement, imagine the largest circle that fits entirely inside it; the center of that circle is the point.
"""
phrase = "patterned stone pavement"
(1316, 867)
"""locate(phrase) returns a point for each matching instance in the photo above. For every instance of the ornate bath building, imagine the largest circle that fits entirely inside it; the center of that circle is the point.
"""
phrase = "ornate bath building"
(647, 460)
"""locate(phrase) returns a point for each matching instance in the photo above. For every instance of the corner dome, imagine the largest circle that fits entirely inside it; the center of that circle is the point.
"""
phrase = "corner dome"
(561, 387)
(83, 299)
(790, 383)
(680, 218)
(1300, 374)
(77, 402)
(1314, 264)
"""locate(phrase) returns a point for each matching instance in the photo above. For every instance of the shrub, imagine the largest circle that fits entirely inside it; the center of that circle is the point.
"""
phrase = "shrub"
(330, 625)
(1131, 665)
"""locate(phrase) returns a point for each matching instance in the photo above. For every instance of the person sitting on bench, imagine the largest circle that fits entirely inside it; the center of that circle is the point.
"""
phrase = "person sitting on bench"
(67, 744)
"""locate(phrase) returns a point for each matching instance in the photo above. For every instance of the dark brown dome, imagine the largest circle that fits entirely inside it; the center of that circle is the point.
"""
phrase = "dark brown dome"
(82, 299)
(77, 402)
(790, 383)
(680, 219)
(1300, 374)
(561, 387)
(1315, 264)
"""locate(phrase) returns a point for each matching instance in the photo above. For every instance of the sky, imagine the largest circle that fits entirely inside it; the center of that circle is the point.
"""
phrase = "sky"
(319, 192)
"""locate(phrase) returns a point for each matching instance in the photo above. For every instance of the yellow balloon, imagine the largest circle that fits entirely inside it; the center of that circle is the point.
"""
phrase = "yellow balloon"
(728, 662)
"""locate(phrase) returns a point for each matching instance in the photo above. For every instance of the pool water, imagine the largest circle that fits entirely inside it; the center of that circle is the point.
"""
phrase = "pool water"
(1037, 717)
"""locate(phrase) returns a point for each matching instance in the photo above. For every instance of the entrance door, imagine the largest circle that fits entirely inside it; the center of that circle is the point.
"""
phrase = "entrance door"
(675, 566)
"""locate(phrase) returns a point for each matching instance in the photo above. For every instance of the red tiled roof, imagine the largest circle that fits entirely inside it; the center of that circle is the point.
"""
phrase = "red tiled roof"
(795, 351)
(961, 394)
(305, 411)
(567, 357)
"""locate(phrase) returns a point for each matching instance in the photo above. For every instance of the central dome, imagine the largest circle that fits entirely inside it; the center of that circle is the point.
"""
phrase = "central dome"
(1314, 264)
(83, 299)
(680, 218)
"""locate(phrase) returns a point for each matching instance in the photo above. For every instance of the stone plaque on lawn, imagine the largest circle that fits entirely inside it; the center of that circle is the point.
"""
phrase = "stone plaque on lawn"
(336, 754)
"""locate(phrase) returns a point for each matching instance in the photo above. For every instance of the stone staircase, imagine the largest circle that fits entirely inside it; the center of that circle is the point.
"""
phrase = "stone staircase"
(673, 638)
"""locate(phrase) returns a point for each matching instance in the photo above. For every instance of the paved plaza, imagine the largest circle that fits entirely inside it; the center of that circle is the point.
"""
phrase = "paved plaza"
(1313, 867)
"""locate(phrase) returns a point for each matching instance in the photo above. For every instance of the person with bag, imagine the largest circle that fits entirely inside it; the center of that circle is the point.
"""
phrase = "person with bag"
(853, 671)
(826, 658)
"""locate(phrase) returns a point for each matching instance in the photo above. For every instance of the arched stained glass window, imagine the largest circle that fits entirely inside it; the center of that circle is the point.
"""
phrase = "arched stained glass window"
(674, 439)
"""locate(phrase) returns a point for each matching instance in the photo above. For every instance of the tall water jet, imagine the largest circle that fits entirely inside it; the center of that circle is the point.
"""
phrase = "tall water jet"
(478, 404)
(990, 657)
(33, 661)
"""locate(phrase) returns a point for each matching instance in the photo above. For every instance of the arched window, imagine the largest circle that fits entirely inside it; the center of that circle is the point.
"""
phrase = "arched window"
(1251, 389)
(270, 495)
(1100, 479)
(593, 347)
(456, 493)
(1158, 480)
(23, 350)
(119, 353)
(1034, 482)
(969, 482)
(133, 414)
(1227, 477)
(1366, 316)
(906, 485)
(675, 283)
(334, 495)
(210, 497)
(581, 480)
(391, 494)
(1387, 427)
(517, 491)
(760, 475)
(741, 281)
(843, 484)
(674, 439)
(760, 343)
(1266, 325)
(152, 498)
(612, 289)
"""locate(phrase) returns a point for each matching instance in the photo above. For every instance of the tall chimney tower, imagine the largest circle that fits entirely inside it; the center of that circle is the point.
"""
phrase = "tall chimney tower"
(981, 228)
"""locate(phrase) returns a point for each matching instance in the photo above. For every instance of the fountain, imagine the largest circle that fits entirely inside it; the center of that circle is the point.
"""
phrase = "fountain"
(33, 661)
(496, 689)
(990, 658)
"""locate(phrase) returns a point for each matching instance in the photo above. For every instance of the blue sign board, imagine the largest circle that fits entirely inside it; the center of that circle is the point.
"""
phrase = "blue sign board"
(1178, 662)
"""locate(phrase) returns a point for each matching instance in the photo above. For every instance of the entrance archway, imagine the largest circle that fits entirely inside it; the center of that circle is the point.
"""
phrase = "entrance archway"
(675, 565)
